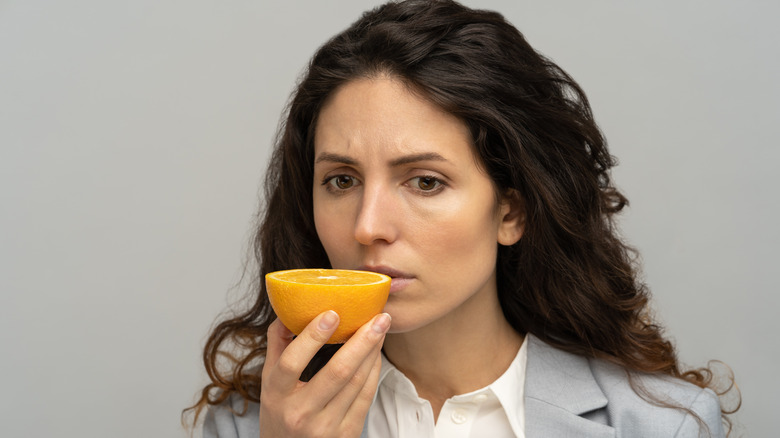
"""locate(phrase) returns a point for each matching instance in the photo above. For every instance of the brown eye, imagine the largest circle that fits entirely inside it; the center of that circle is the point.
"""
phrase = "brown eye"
(427, 183)
(342, 182)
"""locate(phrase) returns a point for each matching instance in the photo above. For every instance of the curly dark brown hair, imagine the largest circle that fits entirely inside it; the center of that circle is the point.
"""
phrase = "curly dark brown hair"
(571, 281)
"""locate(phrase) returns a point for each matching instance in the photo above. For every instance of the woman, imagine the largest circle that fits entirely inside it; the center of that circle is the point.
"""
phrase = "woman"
(430, 142)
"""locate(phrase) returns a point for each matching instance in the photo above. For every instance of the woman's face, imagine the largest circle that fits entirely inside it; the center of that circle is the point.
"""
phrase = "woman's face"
(398, 190)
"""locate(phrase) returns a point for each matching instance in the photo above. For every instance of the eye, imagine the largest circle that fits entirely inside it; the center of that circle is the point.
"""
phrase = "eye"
(426, 183)
(341, 182)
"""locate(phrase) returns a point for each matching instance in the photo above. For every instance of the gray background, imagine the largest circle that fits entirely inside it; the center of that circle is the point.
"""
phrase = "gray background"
(133, 137)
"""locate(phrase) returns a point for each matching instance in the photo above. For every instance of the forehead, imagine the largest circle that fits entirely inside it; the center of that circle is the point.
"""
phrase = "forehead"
(384, 110)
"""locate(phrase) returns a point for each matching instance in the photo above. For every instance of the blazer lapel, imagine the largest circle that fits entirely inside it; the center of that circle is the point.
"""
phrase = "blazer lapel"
(559, 390)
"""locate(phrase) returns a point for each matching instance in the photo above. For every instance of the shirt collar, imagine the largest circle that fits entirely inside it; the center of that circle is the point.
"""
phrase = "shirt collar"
(508, 388)
(387, 368)
(393, 378)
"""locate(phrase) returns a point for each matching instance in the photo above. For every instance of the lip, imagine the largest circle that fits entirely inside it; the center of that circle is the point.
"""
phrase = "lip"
(399, 278)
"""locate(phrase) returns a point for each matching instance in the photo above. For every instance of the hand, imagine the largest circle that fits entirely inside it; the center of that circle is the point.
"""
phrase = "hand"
(335, 402)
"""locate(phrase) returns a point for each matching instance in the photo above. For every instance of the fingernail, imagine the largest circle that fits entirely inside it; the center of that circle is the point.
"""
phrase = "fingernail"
(328, 320)
(381, 323)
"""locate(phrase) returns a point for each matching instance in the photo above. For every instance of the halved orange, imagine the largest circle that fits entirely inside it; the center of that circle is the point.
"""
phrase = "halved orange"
(299, 295)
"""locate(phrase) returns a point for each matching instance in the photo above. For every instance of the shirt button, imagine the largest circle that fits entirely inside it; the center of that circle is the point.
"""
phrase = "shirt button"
(459, 416)
(480, 398)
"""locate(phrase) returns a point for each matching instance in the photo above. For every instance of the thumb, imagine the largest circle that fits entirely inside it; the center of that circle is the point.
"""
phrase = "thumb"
(279, 337)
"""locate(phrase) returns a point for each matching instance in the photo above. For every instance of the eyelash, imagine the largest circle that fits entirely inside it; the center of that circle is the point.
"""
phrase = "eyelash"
(439, 185)
(329, 183)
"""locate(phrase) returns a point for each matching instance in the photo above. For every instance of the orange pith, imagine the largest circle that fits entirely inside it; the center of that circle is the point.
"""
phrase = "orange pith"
(299, 295)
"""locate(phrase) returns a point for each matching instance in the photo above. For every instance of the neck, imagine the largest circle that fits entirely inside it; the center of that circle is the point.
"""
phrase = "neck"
(466, 350)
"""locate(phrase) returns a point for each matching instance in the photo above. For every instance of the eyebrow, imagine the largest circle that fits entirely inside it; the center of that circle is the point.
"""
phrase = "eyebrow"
(335, 158)
(426, 156)
(414, 158)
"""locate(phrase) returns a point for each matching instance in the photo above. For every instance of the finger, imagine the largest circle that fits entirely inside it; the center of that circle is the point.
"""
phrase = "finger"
(342, 366)
(342, 402)
(355, 417)
(279, 337)
(293, 360)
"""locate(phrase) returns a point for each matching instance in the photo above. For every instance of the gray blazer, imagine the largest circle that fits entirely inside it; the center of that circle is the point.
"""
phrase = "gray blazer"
(565, 396)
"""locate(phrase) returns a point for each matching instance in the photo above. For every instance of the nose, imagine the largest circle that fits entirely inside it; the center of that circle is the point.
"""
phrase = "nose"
(376, 219)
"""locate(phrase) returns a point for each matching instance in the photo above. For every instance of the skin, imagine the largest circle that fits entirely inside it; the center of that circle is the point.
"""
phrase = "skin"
(334, 403)
(399, 190)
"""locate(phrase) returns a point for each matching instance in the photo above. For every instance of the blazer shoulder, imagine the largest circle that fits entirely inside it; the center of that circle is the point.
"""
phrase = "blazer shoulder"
(634, 413)
(233, 418)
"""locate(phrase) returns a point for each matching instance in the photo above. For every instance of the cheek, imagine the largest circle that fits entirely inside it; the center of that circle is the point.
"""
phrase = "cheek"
(333, 230)
(462, 233)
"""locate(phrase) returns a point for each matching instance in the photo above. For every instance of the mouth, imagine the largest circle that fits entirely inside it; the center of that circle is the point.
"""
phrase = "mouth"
(399, 279)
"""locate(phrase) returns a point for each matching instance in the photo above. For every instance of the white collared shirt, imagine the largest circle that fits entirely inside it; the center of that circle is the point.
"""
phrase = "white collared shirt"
(495, 411)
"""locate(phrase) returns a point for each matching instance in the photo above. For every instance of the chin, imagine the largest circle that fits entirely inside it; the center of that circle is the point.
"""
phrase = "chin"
(404, 323)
